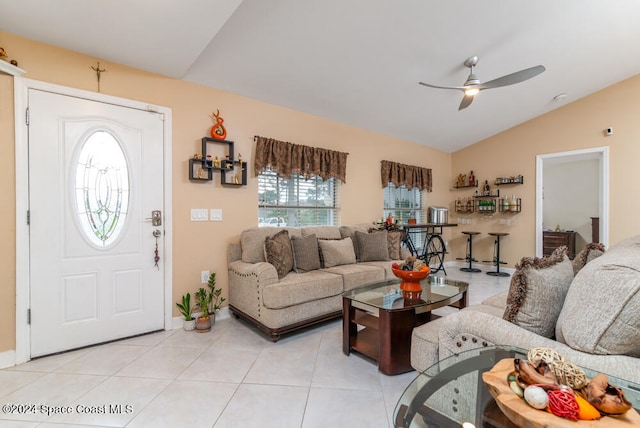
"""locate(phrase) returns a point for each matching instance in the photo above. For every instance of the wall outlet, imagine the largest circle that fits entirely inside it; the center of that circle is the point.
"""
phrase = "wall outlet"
(204, 276)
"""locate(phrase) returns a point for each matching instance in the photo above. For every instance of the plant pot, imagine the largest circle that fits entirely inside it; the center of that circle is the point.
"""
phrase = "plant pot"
(189, 325)
(203, 324)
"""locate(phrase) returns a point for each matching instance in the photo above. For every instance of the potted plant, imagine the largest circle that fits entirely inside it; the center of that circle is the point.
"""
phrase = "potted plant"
(215, 296)
(186, 309)
(203, 322)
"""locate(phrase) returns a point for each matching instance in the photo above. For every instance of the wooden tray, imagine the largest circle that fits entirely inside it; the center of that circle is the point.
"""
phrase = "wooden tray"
(521, 414)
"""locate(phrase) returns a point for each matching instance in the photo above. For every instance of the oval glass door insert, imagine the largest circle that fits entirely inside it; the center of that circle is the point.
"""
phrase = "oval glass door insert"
(101, 188)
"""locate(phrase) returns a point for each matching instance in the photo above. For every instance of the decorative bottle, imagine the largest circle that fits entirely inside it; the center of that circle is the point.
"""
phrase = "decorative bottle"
(486, 190)
(472, 179)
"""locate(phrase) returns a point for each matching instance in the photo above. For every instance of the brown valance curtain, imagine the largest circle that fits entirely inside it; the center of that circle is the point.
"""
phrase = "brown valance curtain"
(287, 158)
(405, 175)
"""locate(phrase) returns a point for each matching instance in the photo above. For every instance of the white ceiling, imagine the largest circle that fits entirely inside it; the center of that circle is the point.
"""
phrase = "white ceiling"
(359, 61)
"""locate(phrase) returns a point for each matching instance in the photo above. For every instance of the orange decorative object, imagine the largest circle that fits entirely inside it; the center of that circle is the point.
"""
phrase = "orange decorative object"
(218, 130)
(410, 285)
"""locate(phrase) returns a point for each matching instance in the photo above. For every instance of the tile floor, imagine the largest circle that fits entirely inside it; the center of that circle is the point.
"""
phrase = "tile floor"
(230, 377)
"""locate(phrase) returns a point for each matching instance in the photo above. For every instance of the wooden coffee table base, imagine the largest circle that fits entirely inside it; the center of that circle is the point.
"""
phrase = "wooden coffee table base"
(385, 338)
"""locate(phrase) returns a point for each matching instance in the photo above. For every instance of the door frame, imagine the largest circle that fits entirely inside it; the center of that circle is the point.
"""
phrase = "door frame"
(20, 90)
(600, 153)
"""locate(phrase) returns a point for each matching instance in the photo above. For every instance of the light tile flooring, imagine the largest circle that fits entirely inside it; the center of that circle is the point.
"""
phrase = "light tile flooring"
(230, 377)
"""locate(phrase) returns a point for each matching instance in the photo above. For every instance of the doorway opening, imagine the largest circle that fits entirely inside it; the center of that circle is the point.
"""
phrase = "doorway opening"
(581, 177)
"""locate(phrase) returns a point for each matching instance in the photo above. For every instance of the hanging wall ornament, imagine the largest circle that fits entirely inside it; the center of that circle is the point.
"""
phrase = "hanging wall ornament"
(218, 130)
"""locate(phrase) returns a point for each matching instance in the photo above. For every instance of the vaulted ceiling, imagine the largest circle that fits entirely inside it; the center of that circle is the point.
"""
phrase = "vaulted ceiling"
(359, 61)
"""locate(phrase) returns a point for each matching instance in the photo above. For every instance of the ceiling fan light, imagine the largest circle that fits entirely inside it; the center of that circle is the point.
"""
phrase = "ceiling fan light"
(471, 91)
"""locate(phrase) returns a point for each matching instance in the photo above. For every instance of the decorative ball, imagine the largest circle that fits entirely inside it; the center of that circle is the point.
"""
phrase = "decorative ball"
(536, 397)
(570, 375)
(548, 355)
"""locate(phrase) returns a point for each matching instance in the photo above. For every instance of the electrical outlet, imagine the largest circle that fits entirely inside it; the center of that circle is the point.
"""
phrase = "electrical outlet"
(204, 276)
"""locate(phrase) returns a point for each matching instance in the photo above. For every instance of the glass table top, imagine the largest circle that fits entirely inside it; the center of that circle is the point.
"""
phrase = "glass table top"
(451, 392)
(437, 291)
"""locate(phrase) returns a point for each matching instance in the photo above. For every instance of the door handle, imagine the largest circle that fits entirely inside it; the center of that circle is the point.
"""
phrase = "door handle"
(156, 218)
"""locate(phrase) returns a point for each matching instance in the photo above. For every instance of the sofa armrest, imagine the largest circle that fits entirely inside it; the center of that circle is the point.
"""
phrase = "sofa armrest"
(246, 282)
(470, 329)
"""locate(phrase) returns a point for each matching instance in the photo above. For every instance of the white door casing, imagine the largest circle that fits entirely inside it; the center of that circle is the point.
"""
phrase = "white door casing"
(80, 291)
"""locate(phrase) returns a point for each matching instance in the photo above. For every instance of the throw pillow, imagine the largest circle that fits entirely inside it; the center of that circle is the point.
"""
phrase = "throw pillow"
(335, 252)
(305, 253)
(591, 251)
(277, 251)
(372, 246)
(600, 312)
(537, 292)
(394, 238)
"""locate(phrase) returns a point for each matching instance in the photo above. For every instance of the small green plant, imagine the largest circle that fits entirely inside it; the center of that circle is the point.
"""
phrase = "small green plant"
(185, 307)
(204, 299)
(215, 294)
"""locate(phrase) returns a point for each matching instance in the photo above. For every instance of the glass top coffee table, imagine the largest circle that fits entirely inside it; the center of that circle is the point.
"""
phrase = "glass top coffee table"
(377, 321)
(452, 392)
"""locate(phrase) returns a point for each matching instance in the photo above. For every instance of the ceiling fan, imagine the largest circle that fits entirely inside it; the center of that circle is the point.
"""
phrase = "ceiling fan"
(472, 85)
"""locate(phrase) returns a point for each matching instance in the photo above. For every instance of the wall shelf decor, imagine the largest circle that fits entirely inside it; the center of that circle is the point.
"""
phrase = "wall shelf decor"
(518, 179)
(510, 205)
(237, 176)
(216, 156)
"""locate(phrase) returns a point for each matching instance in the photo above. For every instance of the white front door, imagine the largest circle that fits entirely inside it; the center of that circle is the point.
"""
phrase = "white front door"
(95, 177)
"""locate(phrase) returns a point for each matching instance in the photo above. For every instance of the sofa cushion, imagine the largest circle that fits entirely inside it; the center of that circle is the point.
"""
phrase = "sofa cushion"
(590, 252)
(305, 253)
(355, 275)
(600, 312)
(322, 232)
(537, 292)
(298, 288)
(372, 246)
(277, 249)
(335, 252)
(252, 242)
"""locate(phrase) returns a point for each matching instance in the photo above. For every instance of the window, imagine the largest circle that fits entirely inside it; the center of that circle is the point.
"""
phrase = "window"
(405, 204)
(297, 201)
(101, 188)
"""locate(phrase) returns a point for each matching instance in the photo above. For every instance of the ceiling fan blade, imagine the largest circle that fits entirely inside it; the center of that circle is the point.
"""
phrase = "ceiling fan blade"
(460, 88)
(466, 101)
(510, 79)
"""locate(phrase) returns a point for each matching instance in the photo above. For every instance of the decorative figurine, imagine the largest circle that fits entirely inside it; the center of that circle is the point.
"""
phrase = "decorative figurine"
(216, 162)
(218, 130)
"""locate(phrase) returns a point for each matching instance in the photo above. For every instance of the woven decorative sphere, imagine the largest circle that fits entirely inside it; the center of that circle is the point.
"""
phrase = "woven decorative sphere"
(570, 375)
(548, 355)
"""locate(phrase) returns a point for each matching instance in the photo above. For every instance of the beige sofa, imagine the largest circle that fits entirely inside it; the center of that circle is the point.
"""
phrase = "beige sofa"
(598, 324)
(302, 298)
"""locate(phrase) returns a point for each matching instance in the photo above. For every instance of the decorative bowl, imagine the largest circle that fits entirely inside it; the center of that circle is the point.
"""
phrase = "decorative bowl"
(410, 285)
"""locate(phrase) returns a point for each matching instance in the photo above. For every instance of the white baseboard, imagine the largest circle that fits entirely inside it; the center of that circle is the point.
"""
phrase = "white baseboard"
(7, 358)
(222, 314)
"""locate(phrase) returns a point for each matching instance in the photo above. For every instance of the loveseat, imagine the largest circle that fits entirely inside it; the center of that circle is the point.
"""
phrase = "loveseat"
(279, 296)
(597, 323)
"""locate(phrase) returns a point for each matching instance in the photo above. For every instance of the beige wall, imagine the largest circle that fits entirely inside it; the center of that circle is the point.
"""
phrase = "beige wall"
(576, 126)
(198, 245)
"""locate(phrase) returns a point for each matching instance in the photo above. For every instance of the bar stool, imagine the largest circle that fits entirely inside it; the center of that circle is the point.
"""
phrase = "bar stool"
(496, 255)
(469, 257)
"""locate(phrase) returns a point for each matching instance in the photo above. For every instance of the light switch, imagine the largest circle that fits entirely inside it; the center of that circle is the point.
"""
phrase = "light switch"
(199, 214)
(215, 214)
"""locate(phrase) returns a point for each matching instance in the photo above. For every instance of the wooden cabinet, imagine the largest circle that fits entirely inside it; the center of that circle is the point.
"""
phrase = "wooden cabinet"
(553, 240)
